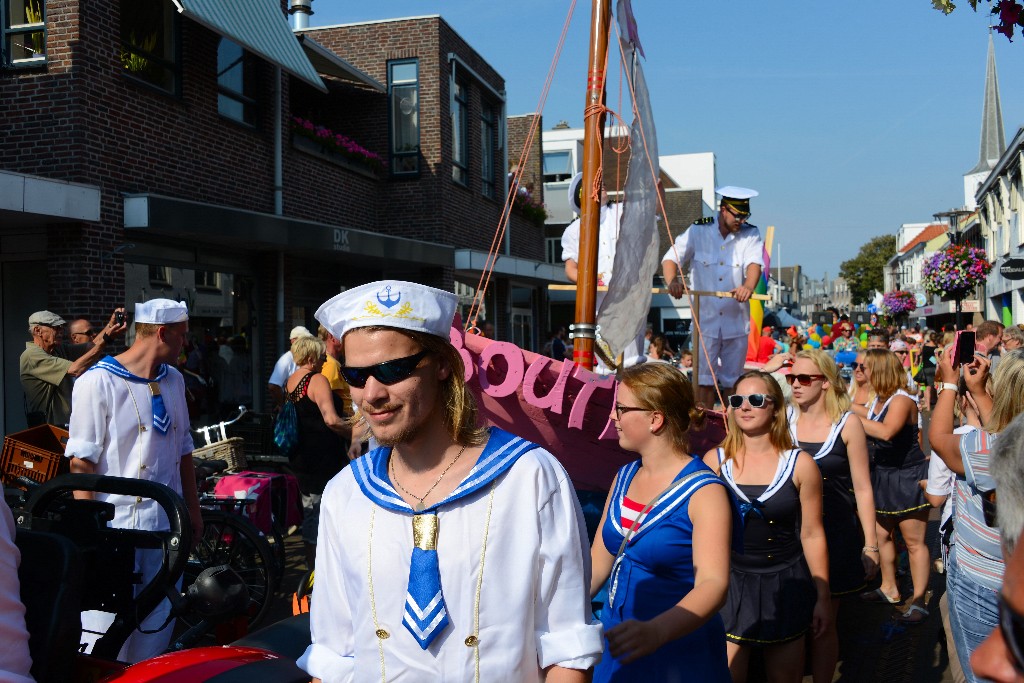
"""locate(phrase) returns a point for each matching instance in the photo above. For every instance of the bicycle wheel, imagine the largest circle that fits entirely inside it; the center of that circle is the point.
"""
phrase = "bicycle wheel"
(276, 541)
(230, 539)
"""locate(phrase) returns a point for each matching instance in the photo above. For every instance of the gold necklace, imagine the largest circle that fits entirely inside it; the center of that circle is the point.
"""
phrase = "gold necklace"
(420, 506)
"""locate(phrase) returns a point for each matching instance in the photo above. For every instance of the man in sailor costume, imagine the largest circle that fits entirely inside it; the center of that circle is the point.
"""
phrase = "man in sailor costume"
(724, 253)
(450, 552)
(129, 419)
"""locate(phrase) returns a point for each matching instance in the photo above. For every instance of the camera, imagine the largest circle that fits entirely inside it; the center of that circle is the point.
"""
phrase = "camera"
(119, 318)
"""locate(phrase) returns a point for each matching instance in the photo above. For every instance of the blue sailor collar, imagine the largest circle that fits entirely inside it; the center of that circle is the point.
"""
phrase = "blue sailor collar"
(500, 453)
(665, 505)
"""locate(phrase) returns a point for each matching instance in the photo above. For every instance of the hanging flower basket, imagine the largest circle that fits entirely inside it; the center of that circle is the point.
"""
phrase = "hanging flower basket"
(898, 302)
(955, 271)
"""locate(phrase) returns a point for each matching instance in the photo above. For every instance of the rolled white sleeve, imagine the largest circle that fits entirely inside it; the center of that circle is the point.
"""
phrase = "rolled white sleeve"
(89, 418)
(331, 654)
(682, 252)
(566, 633)
(571, 241)
(753, 251)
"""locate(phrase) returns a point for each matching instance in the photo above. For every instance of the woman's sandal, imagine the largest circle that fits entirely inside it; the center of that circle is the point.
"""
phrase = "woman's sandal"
(915, 614)
(878, 595)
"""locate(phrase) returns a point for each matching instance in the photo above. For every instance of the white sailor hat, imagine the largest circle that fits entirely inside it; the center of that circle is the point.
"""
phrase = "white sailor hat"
(733, 192)
(161, 312)
(390, 303)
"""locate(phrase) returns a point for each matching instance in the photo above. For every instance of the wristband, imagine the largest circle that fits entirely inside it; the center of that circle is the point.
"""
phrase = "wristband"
(947, 385)
(104, 338)
(871, 548)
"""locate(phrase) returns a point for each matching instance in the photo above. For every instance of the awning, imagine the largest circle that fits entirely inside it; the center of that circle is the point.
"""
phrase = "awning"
(34, 200)
(472, 262)
(330, 64)
(198, 222)
(260, 27)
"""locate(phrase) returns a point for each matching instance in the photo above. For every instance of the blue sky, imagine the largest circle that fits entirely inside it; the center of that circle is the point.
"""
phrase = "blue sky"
(849, 118)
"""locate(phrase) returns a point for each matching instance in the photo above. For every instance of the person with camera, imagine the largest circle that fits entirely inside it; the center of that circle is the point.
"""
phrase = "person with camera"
(976, 567)
(49, 365)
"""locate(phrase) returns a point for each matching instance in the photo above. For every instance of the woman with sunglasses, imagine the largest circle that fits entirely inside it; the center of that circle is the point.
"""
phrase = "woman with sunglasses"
(822, 425)
(779, 584)
(975, 572)
(890, 421)
(860, 389)
(664, 541)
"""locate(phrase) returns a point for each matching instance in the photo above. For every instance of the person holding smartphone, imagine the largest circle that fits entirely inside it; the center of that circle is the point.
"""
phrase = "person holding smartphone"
(976, 566)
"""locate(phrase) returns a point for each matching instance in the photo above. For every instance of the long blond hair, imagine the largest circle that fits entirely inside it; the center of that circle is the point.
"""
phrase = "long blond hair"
(664, 388)
(1007, 399)
(779, 434)
(837, 401)
(887, 372)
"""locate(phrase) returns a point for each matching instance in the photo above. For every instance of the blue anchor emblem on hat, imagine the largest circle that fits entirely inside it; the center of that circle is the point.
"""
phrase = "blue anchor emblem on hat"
(388, 301)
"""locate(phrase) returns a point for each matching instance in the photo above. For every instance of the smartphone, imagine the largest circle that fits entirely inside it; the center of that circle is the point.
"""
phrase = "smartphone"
(963, 349)
(119, 317)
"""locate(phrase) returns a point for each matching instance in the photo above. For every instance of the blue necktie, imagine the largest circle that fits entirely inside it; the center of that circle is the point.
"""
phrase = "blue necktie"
(161, 420)
(425, 612)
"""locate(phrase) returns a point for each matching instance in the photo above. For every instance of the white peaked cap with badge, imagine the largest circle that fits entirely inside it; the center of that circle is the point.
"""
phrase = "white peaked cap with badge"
(161, 312)
(733, 192)
(390, 303)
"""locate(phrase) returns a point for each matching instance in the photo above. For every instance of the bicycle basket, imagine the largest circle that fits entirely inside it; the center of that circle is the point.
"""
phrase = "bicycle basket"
(230, 450)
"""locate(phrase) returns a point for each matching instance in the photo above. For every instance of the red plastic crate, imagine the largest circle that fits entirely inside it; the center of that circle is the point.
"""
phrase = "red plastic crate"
(36, 453)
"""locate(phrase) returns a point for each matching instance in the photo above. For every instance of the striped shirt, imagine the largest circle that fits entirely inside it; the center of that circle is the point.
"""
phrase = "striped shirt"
(630, 513)
(978, 552)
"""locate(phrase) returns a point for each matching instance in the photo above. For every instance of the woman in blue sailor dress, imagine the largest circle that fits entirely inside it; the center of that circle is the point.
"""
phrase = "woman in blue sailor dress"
(822, 425)
(898, 467)
(778, 589)
(664, 541)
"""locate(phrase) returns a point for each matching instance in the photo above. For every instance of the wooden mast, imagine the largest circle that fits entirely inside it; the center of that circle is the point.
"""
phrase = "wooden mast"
(590, 206)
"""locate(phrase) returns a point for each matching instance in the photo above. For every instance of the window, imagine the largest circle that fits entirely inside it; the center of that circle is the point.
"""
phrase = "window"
(487, 150)
(557, 166)
(404, 104)
(159, 276)
(553, 249)
(460, 146)
(24, 32)
(149, 43)
(235, 83)
(208, 280)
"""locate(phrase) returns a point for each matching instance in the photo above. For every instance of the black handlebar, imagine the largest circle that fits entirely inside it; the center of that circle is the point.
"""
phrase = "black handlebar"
(176, 542)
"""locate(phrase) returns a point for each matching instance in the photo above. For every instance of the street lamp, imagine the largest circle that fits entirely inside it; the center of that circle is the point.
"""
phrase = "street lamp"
(952, 219)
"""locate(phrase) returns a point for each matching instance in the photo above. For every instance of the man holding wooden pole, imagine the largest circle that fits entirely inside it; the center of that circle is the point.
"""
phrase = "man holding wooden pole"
(724, 255)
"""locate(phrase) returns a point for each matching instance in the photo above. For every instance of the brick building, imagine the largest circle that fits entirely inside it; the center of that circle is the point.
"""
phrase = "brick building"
(150, 152)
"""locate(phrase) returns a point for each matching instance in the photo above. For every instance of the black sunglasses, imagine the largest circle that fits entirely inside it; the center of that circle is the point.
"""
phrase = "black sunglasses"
(856, 365)
(1012, 625)
(389, 372)
(755, 400)
(803, 380)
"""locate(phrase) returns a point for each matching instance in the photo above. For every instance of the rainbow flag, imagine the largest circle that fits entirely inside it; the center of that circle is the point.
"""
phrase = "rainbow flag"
(757, 307)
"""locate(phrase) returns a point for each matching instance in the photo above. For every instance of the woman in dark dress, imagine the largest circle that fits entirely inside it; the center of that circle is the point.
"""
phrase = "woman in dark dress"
(321, 451)
(778, 586)
(821, 424)
(899, 465)
(668, 580)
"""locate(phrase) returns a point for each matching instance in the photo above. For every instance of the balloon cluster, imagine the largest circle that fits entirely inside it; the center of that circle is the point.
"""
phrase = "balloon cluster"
(820, 336)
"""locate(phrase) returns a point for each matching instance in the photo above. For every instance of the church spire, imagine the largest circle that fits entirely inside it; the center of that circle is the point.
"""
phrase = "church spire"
(993, 139)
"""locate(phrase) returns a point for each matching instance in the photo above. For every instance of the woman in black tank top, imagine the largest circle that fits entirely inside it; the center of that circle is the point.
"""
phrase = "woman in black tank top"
(899, 465)
(821, 424)
(778, 586)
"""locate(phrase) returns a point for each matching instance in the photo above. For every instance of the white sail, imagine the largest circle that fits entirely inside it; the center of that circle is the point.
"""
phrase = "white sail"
(623, 313)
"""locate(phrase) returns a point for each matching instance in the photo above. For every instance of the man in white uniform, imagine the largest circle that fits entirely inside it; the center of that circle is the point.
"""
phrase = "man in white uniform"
(608, 236)
(722, 253)
(129, 419)
(450, 552)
